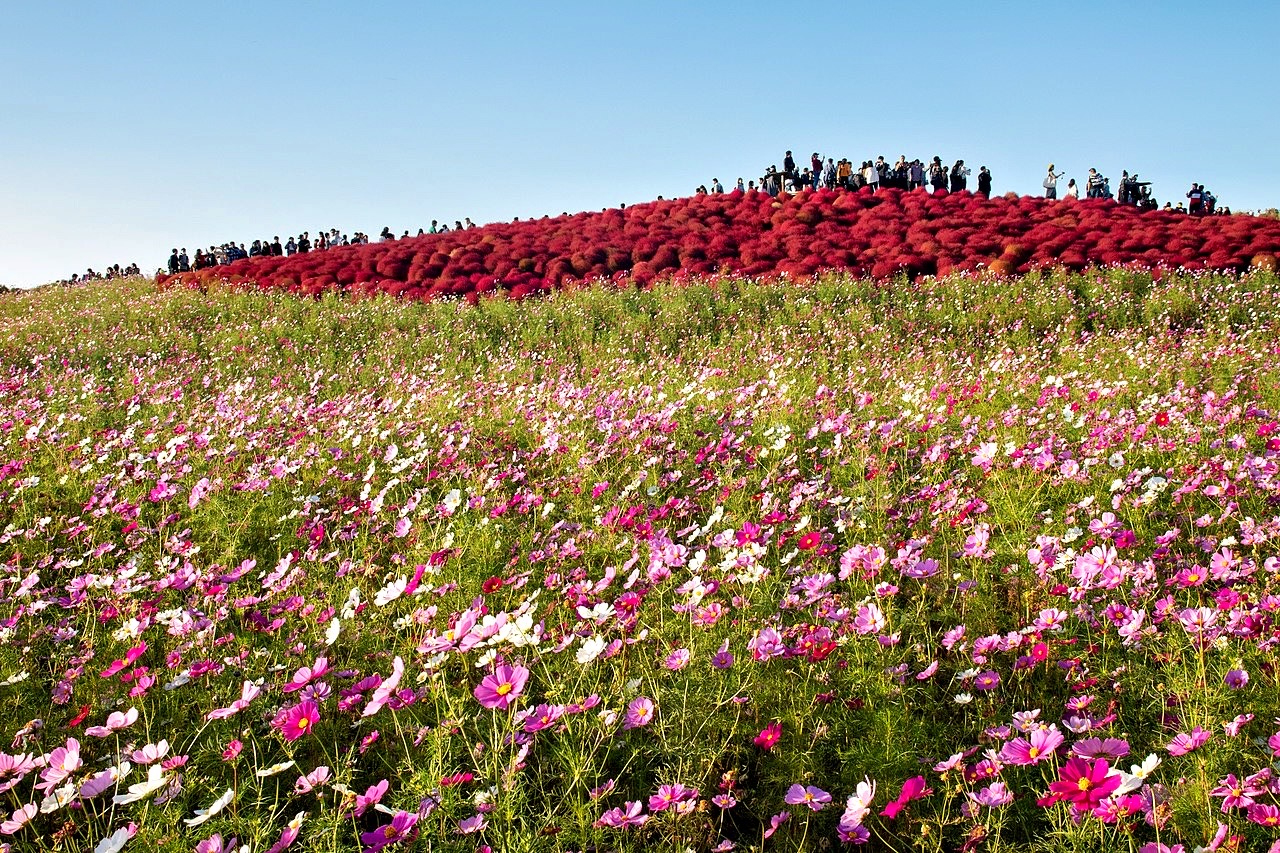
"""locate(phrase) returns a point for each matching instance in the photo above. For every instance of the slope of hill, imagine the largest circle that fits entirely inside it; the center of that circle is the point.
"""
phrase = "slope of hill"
(880, 235)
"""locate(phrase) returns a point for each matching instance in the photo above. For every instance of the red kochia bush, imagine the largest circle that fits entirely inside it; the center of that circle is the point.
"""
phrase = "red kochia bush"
(882, 235)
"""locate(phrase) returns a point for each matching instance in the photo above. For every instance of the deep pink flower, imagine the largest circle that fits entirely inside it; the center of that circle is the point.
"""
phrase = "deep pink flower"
(500, 688)
(1083, 783)
(769, 736)
(299, 720)
(912, 789)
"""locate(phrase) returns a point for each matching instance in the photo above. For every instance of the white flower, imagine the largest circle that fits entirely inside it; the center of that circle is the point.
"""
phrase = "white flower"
(1116, 460)
(590, 649)
(155, 781)
(963, 698)
(391, 591)
(216, 806)
(332, 632)
(115, 842)
(274, 769)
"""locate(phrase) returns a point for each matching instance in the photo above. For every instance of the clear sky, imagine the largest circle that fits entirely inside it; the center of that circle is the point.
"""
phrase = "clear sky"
(130, 128)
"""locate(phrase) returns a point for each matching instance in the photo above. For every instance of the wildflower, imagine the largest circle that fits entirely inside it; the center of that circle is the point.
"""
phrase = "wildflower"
(1111, 748)
(308, 783)
(20, 818)
(677, 660)
(299, 720)
(992, 796)
(370, 797)
(1183, 743)
(769, 736)
(1083, 784)
(669, 796)
(1036, 747)
(1236, 678)
(912, 789)
(988, 680)
(115, 722)
(618, 818)
(639, 713)
(400, 829)
(807, 795)
(723, 658)
(500, 688)
(809, 541)
(1264, 814)
(475, 823)
(216, 806)
(776, 821)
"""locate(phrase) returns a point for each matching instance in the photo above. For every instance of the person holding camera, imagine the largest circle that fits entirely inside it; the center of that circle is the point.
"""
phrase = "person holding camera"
(1051, 182)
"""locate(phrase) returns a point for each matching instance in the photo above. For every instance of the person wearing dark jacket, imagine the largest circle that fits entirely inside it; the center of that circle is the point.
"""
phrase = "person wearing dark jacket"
(984, 182)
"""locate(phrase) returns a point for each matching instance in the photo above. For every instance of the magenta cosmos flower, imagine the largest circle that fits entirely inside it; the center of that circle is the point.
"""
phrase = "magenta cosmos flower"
(299, 720)
(1083, 783)
(502, 686)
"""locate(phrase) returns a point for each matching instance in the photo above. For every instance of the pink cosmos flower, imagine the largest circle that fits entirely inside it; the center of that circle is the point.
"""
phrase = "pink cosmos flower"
(400, 829)
(1083, 784)
(677, 660)
(20, 818)
(912, 789)
(370, 797)
(13, 769)
(769, 736)
(115, 722)
(776, 821)
(1039, 746)
(1183, 743)
(290, 833)
(248, 692)
(639, 713)
(669, 796)
(299, 720)
(619, 818)
(315, 779)
(1264, 814)
(472, 824)
(499, 689)
(807, 795)
(993, 796)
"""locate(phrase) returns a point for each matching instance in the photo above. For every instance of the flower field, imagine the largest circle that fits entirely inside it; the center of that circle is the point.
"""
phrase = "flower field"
(972, 563)
(884, 235)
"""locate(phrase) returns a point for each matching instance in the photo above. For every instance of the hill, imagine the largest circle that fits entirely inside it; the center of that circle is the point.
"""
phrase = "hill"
(878, 235)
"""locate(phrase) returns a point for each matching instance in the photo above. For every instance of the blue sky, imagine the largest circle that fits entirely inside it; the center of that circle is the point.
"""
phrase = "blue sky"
(130, 128)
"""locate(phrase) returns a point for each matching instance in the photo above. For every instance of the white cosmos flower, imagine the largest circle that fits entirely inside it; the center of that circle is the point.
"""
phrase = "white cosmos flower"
(155, 781)
(590, 649)
(216, 806)
(115, 842)
(332, 632)
(274, 769)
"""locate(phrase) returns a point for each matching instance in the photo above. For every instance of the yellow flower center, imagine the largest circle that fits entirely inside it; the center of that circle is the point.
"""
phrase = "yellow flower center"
(303, 722)
(1034, 752)
(504, 688)
(1084, 784)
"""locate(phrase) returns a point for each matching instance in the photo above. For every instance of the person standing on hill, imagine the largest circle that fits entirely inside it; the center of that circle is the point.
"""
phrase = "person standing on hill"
(1051, 183)
(937, 175)
(959, 176)
(1073, 191)
(173, 263)
(984, 182)
(789, 168)
(184, 262)
(815, 169)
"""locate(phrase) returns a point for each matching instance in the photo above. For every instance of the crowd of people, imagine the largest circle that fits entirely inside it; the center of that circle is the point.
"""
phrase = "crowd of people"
(180, 261)
(827, 172)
